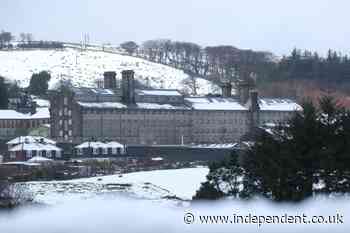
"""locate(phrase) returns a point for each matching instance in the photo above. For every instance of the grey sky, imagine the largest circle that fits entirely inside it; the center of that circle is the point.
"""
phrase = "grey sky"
(274, 25)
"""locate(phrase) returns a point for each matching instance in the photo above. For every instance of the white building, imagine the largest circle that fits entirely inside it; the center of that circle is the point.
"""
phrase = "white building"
(100, 149)
(26, 147)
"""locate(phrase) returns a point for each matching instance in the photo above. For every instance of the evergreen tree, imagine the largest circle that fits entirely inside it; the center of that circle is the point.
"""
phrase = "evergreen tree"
(308, 155)
(3, 94)
(39, 83)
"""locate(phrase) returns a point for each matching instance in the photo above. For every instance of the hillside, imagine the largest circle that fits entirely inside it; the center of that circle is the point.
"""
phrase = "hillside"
(84, 67)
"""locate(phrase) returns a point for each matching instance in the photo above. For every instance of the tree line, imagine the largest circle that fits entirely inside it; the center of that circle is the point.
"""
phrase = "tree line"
(307, 65)
(225, 62)
(7, 37)
(215, 63)
(291, 162)
(38, 85)
(26, 41)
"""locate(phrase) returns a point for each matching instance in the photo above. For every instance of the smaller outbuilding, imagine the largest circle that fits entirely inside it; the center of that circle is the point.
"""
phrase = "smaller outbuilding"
(25, 151)
(29, 139)
(100, 149)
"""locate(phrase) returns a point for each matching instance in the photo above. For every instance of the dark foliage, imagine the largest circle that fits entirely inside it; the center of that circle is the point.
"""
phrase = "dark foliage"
(41, 45)
(129, 46)
(39, 83)
(4, 94)
(309, 155)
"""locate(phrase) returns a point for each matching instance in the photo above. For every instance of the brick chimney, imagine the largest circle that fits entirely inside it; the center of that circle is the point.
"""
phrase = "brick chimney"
(128, 86)
(109, 80)
(243, 89)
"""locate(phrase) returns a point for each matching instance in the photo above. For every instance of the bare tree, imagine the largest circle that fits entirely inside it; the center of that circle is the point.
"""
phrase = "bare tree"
(23, 37)
(190, 85)
(5, 38)
(29, 37)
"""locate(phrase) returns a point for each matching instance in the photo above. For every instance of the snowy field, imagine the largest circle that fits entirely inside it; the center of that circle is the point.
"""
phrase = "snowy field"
(84, 67)
(110, 215)
(152, 185)
(136, 202)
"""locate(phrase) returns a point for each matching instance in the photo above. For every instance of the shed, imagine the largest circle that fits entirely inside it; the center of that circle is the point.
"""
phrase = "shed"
(100, 149)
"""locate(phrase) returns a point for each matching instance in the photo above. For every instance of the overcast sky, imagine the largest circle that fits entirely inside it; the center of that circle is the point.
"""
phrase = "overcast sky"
(273, 25)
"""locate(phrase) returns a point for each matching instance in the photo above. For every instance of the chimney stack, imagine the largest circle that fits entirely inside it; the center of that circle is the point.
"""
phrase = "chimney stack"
(128, 86)
(244, 87)
(226, 89)
(254, 108)
(110, 81)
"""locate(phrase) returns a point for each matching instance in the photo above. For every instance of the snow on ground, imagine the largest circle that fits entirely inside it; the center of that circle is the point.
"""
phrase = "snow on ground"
(106, 215)
(153, 185)
(84, 67)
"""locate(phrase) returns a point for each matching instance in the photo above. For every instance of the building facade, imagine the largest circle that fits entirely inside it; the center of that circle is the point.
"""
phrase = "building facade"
(13, 123)
(161, 116)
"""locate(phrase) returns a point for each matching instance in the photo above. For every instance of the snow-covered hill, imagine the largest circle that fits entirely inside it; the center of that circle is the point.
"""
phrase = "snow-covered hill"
(84, 67)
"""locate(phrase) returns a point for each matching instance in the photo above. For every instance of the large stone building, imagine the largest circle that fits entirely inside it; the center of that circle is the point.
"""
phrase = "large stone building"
(13, 123)
(162, 116)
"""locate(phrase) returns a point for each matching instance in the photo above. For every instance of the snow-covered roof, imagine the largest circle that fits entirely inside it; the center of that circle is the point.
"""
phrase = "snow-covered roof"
(35, 147)
(157, 159)
(219, 103)
(39, 159)
(114, 144)
(21, 163)
(276, 104)
(12, 114)
(102, 105)
(216, 146)
(30, 139)
(41, 102)
(94, 91)
(121, 105)
(215, 103)
(42, 113)
(159, 106)
(99, 145)
(158, 92)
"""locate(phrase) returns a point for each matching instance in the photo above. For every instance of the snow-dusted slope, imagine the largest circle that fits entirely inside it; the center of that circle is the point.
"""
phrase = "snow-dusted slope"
(153, 185)
(84, 67)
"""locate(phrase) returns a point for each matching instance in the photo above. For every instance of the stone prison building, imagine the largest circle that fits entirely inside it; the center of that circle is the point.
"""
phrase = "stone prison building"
(159, 116)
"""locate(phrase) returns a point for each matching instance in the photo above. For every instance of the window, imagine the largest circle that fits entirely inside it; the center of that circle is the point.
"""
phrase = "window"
(60, 112)
(80, 151)
(28, 154)
(95, 151)
(114, 150)
(61, 133)
(65, 101)
(70, 132)
(105, 151)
